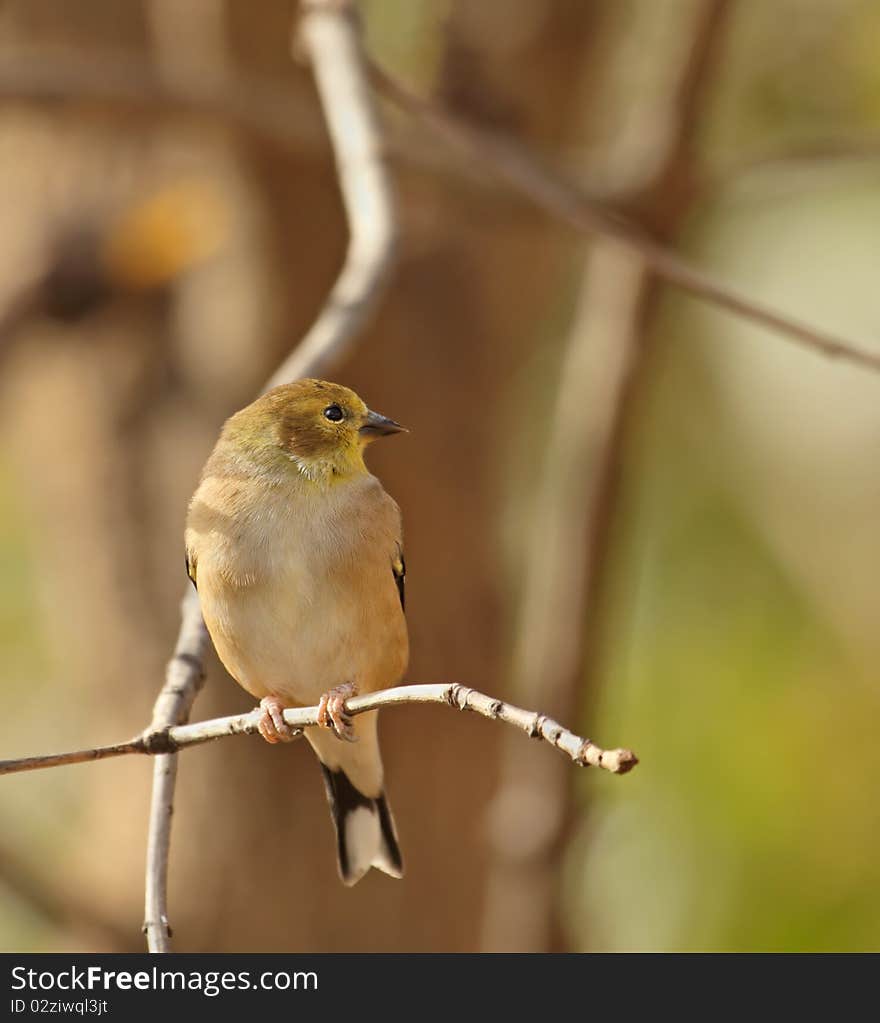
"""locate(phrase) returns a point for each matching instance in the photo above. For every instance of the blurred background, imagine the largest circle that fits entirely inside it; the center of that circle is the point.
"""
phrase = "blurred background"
(623, 507)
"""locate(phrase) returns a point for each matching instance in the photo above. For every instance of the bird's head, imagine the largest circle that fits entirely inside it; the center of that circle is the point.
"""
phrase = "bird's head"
(317, 427)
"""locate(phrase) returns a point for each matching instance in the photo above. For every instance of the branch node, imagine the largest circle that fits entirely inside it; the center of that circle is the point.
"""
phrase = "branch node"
(626, 761)
(582, 757)
(536, 730)
(150, 925)
(159, 741)
(457, 696)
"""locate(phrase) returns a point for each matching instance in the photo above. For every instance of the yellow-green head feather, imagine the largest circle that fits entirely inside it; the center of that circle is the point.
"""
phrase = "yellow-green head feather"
(314, 427)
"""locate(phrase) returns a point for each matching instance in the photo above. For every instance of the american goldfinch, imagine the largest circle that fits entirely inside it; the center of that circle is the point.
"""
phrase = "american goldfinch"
(297, 555)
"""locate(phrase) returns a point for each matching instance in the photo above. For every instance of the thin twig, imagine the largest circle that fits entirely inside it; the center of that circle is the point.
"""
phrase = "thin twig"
(78, 756)
(329, 35)
(519, 168)
(165, 742)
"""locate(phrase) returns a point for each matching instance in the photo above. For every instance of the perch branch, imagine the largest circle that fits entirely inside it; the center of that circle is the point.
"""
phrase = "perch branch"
(166, 741)
(330, 37)
(514, 164)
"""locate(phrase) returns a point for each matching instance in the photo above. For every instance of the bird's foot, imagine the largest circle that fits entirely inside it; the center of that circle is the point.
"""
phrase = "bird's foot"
(332, 713)
(272, 725)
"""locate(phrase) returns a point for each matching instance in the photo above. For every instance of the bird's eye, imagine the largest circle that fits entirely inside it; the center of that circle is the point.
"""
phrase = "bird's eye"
(334, 413)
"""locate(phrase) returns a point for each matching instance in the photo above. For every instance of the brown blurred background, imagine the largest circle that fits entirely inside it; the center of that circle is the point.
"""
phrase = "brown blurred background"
(621, 506)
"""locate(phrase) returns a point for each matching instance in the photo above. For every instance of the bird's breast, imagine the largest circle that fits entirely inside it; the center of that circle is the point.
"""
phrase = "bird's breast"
(298, 593)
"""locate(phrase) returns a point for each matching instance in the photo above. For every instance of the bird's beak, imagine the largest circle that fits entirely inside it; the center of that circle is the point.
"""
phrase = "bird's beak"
(376, 425)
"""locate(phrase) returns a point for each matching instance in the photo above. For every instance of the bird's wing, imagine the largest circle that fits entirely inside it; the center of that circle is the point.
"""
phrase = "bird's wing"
(398, 567)
(191, 566)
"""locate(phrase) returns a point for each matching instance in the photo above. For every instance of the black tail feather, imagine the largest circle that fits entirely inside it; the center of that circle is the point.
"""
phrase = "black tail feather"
(389, 834)
(363, 839)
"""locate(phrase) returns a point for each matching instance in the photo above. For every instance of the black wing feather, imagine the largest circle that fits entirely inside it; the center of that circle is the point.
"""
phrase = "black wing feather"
(191, 568)
(398, 567)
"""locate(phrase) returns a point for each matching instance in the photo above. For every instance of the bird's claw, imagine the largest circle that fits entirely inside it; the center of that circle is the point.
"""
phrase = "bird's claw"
(333, 715)
(271, 724)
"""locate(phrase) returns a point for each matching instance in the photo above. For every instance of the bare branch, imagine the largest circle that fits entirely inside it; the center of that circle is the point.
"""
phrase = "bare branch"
(516, 165)
(329, 34)
(330, 37)
(77, 756)
(164, 742)
(183, 680)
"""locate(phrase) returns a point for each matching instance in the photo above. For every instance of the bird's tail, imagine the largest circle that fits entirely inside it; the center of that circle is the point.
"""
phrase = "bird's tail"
(365, 832)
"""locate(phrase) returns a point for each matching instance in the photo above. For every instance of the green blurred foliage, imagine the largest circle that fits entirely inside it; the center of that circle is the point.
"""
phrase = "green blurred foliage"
(752, 822)
(796, 71)
(26, 669)
(407, 38)
(23, 653)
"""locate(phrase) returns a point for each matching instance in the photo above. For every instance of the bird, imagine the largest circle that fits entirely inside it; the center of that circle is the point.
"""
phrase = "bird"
(296, 553)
